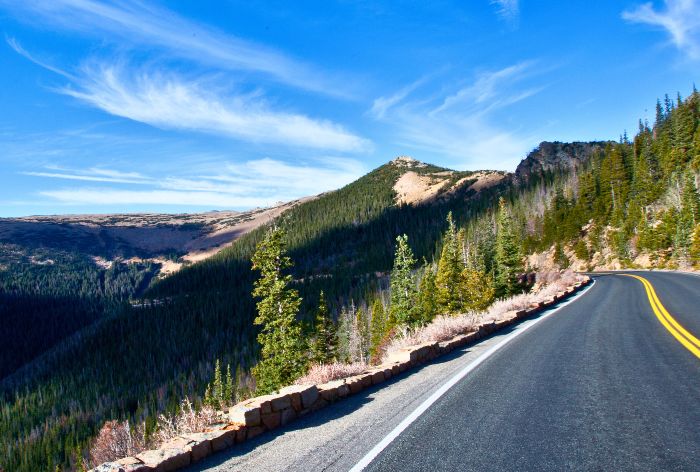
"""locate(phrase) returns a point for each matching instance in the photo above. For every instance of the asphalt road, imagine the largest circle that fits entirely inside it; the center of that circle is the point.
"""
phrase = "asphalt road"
(599, 385)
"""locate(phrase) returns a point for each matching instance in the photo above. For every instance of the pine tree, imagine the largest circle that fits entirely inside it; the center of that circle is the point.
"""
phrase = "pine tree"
(508, 261)
(282, 351)
(208, 397)
(324, 349)
(218, 387)
(378, 327)
(694, 252)
(447, 280)
(688, 216)
(477, 288)
(427, 296)
(229, 389)
(363, 335)
(403, 284)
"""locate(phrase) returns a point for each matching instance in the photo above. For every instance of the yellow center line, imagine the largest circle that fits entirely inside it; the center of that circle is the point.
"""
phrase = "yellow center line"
(681, 334)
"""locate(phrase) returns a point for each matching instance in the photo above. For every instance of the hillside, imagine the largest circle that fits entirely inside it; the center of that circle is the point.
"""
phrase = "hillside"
(341, 242)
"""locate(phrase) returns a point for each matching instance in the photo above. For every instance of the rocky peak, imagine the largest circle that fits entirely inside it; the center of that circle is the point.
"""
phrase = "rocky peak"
(407, 161)
(551, 156)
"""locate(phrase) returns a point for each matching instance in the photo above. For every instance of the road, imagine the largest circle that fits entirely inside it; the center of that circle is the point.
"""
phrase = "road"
(600, 384)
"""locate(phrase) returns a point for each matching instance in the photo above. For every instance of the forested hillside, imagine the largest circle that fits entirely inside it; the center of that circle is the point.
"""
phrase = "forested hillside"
(634, 205)
(599, 204)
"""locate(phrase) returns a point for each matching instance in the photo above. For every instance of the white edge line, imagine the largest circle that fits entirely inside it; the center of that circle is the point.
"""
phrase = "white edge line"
(376, 450)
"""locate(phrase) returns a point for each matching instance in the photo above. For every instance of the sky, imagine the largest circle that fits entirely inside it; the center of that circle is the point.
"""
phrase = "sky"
(196, 105)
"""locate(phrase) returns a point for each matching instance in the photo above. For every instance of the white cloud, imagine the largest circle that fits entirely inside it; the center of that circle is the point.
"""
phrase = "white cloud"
(680, 19)
(143, 25)
(381, 105)
(458, 125)
(172, 102)
(487, 88)
(254, 183)
(509, 10)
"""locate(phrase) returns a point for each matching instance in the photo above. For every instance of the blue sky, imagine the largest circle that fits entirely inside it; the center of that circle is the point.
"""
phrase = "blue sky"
(141, 105)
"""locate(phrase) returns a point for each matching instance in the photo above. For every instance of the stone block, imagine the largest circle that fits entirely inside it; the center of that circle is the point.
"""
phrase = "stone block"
(200, 446)
(318, 404)
(387, 373)
(280, 402)
(343, 390)
(272, 420)
(377, 377)
(245, 414)
(308, 393)
(165, 460)
(241, 434)
(287, 415)
(255, 431)
(221, 439)
(329, 391)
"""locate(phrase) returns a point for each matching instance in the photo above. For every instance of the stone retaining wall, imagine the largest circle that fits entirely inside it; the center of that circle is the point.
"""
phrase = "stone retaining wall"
(252, 417)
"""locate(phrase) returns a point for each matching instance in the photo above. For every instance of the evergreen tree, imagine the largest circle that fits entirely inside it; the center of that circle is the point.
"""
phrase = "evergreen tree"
(229, 389)
(688, 216)
(282, 350)
(477, 288)
(427, 296)
(363, 335)
(509, 264)
(403, 285)
(694, 252)
(447, 280)
(378, 328)
(325, 343)
(218, 387)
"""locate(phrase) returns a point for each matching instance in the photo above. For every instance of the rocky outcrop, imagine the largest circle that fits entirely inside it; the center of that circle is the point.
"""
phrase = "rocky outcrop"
(556, 156)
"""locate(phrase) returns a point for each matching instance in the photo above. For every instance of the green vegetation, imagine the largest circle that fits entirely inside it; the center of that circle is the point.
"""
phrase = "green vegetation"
(324, 347)
(282, 347)
(403, 284)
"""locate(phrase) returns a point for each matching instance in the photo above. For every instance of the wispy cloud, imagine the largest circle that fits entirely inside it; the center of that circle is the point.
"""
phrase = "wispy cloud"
(382, 104)
(485, 90)
(509, 10)
(458, 124)
(173, 102)
(144, 25)
(680, 19)
(254, 183)
(170, 101)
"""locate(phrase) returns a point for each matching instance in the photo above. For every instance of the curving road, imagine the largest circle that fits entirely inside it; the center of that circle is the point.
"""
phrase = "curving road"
(602, 384)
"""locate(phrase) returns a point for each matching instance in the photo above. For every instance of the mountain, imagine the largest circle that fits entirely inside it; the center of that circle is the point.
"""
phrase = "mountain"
(125, 360)
(137, 361)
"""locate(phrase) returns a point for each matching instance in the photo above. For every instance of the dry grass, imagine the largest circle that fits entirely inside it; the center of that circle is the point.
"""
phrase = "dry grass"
(117, 440)
(188, 420)
(322, 373)
(443, 328)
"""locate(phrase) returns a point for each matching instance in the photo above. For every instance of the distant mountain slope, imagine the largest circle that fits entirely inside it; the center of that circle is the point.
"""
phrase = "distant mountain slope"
(167, 239)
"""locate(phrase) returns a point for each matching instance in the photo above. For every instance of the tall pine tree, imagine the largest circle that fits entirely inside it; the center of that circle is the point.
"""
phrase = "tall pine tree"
(324, 349)
(448, 278)
(509, 264)
(282, 350)
(403, 284)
